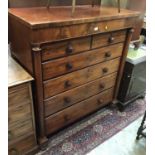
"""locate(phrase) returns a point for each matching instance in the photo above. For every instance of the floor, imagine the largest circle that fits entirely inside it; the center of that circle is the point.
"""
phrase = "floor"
(123, 143)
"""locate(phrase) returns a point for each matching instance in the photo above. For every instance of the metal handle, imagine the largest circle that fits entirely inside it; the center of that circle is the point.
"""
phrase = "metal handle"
(69, 66)
(105, 70)
(111, 39)
(96, 28)
(69, 49)
(67, 84)
(107, 54)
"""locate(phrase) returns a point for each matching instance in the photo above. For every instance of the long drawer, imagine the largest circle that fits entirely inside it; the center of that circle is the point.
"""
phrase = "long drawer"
(78, 30)
(78, 94)
(71, 63)
(19, 130)
(74, 79)
(19, 114)
(19, 104)
(69, 115)
(19, 94)
(23, 146)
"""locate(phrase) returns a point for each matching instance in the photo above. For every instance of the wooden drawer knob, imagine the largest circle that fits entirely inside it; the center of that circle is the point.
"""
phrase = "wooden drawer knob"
(69, 66)
(100, 101)
(14, 152)
(67, 100)
(111, 39)
(105, 70)
(69, 49)
(102, 85)
(107, 54)
(67, 84)
(66, 118)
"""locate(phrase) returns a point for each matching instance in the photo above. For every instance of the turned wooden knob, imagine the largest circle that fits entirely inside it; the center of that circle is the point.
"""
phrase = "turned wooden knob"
(105, 70)
(107, 54)
(67, 100)
(66, 118)
(100, 101)
(69, 49)
(102, 85)
(67, 84)
(69, 66)
(111, 39)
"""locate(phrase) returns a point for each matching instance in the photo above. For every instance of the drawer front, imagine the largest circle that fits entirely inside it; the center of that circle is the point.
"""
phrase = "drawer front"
(19, 130)
(65, 48)
(68, 64)
(69, 115)
(19, 114)
(23, 146)
(100, 40)
(19, 95)
(80, 77)
(78, 94)
(79, 30)
(19, 104)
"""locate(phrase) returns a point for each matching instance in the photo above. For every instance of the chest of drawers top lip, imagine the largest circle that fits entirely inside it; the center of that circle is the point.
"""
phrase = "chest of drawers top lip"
(41, 17)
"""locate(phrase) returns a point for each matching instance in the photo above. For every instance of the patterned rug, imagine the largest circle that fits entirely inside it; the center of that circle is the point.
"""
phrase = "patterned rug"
(85, 135)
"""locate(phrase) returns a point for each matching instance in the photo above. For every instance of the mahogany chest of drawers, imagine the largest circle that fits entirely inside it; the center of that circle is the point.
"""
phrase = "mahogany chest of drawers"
(21, 132)
(77, 62)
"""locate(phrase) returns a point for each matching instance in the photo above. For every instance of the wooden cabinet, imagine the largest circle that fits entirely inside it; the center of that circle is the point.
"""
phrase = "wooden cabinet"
(21, 131)
(77, 62)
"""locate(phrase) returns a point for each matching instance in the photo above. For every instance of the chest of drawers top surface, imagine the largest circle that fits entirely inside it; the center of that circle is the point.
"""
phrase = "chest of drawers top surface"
(37, 17)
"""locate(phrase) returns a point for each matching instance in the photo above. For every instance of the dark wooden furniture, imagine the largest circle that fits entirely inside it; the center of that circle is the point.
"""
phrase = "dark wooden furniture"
(21, 134)
(133, 83)
(77, 62)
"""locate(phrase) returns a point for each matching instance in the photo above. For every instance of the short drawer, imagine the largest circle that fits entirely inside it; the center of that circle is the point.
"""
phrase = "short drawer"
(78, 94)
(65, 48)
(71, 63)
(104, 39)
(23, 146)
(77, 78)
(19, 114)
(19, 130)
(73, 113)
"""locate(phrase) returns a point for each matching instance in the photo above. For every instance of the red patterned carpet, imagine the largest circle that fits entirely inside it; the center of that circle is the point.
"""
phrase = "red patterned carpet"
(85, 135)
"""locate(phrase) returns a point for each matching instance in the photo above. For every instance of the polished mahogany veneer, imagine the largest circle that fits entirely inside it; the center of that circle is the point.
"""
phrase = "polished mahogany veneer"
(77, 62)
